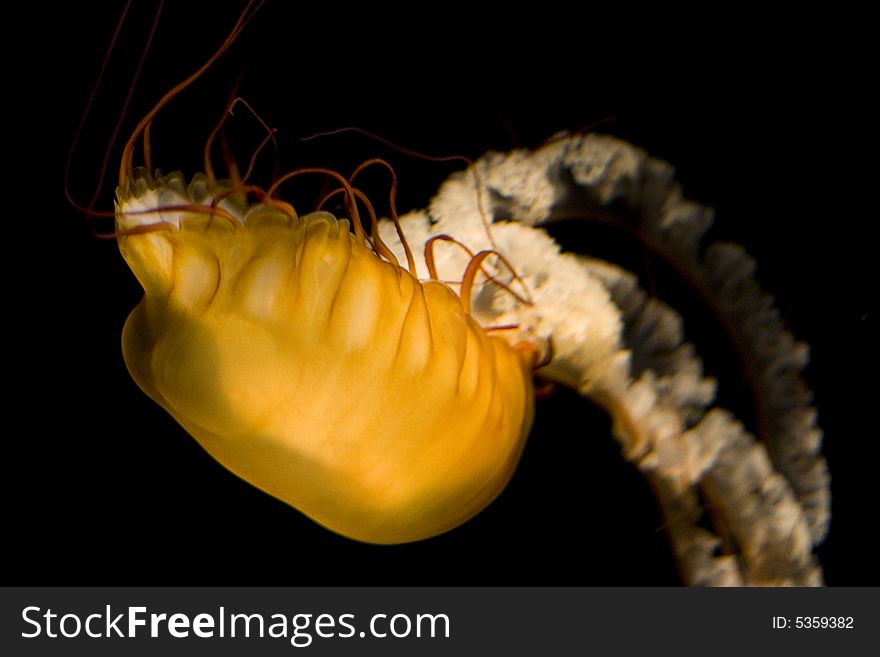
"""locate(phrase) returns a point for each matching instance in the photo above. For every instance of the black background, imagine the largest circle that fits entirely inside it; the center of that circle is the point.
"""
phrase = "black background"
(762, 115)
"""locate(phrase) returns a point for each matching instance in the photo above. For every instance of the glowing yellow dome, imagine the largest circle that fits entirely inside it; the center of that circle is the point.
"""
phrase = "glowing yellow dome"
(315, 370)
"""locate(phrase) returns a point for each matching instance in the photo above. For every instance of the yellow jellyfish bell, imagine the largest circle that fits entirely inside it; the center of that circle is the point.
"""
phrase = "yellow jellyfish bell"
(314, 369)
(307, 360)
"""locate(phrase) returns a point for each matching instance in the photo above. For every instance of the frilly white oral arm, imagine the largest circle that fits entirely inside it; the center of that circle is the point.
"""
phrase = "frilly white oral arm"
(627, 351)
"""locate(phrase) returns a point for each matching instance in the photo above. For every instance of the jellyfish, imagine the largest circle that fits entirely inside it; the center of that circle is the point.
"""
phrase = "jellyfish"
(387, 392)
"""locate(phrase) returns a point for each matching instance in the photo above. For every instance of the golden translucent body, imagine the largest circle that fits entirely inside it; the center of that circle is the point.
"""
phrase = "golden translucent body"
(325, 376)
